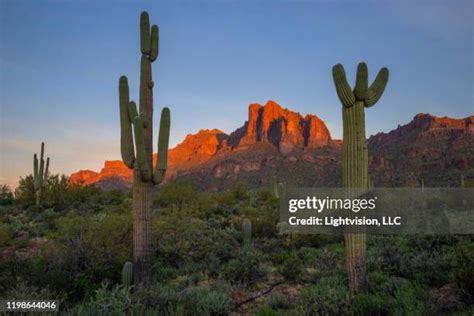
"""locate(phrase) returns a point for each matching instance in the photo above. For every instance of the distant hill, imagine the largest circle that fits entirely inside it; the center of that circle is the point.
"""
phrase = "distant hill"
(278, 143)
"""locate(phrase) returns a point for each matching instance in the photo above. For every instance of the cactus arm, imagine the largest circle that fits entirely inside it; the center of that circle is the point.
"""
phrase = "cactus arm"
(362, 81)
(140, 149)
(155, 37)
(35, 170)
(145, 33)
(377, 87)
(146, 85)
(46, 170)
(163, 142)
(41, 166)
(132, 110)
(126, 136)
(343, 89)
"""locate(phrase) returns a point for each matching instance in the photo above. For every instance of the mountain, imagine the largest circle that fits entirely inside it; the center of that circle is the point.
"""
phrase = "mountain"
(435, 149)
(277, 143)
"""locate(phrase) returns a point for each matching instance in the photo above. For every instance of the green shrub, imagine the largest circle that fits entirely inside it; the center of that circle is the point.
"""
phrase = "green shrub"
(176, 195)
(190, 241)
(372, 304)
(6, 195)
(327, 261)
(329, 297)
(411, 299)
(245, 269)
(5, 235)
(214, 303)
(379, 282)
(25, 192)
(291, 268)
(266, 311)
(463, 271)
(22, 291)
(164, 299)
(163, 273)
(278, 300)
(427, 266)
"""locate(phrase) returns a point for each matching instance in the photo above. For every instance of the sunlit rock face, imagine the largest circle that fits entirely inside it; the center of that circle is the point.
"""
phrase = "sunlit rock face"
(278, 142)
(283, 128)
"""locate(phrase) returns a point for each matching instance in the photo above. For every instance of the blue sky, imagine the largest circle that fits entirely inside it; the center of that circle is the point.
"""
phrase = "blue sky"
(60, 62)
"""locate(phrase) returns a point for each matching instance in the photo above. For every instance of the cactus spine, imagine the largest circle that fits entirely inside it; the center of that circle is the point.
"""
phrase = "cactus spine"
(247, 232)
(355, 155)
(127, 274)
(137, 128)
(40, 174)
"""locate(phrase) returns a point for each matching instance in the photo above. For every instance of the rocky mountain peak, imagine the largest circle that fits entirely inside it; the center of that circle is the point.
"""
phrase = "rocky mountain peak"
(281, 127)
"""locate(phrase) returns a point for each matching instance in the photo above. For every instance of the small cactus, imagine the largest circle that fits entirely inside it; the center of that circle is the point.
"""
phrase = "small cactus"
(247, 232)
(40, 174)
(127, 274)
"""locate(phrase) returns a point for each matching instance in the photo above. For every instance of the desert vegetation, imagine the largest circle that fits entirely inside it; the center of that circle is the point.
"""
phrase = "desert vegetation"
(213, 253)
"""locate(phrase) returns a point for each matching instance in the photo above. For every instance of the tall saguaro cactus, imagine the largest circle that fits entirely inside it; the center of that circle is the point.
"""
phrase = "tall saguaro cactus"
(40, 174)
(137, 129)
(355, 155)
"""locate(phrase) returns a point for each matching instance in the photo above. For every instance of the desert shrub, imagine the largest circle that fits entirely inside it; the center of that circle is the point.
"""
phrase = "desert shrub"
(163, 273)
(386, 257)
(240, 191)
(6, 195)
(463, 271)
(264, 220)
(36, 272)
(202, 300)
(267, 311)
(176, 195)
(164, 299)
(245, 269)
(56, 192)
(411, 299)
(5, 235)
(428, 266)
(25, 192)
(115, 300)
(329, 297)
(327, 261)
(372, 304)
(21, 290)
(291, 268)
(379, 282)
(278, 300)
(89, 250)
(191, 242)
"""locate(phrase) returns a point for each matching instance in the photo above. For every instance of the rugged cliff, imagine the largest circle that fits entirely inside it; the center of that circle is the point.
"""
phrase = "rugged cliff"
(278, 143)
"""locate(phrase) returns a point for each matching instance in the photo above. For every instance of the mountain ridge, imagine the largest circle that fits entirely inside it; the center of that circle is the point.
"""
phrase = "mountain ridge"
(275, 138)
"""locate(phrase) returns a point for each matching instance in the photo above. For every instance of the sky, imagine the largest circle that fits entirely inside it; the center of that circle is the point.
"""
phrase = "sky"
(60, 62)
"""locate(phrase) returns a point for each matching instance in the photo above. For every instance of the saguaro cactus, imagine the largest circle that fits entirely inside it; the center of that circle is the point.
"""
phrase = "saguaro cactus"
(355, 155)
(127, 274)
(40, 174)
(137, 128)
(247, 231)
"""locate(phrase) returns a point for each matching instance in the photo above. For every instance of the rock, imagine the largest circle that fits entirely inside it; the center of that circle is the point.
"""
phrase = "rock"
(279, 142)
